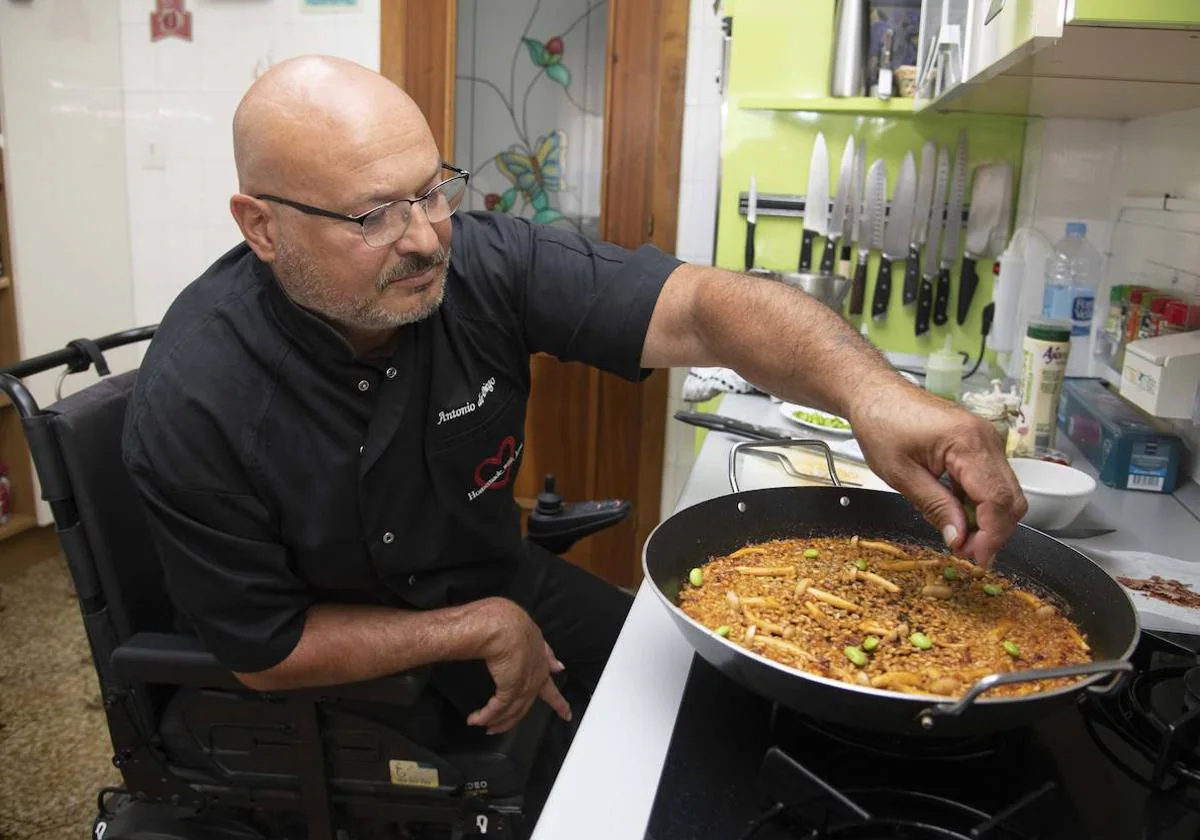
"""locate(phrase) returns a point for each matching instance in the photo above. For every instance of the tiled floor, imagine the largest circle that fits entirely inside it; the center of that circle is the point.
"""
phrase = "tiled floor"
(54, 747)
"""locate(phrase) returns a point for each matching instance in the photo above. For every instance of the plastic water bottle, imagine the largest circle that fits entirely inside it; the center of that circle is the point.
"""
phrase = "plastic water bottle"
(1072, 280)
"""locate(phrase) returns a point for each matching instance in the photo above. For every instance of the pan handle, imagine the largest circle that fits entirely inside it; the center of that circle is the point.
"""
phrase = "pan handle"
(1116, 666)
(772, 444)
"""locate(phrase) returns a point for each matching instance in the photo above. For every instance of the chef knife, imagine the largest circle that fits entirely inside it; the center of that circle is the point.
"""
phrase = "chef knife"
(912, 266)
(840, 202)
(816, 202)
(958, 188)
(929, 266)
(897, 235)
(988, 224)
(854, 214)
(874, 212)
(733, 426)
(751, 221)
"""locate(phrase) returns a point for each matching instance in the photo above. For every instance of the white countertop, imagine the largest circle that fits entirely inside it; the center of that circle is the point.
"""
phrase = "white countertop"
(607, 784)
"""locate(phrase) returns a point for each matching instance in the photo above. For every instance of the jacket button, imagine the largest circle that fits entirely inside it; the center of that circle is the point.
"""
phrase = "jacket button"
(412, 580)
(363, 385)
(388, 538)
(391, 373)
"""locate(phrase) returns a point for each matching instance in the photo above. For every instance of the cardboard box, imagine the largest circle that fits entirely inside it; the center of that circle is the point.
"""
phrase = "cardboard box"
(1132, 450)
(1161, 374)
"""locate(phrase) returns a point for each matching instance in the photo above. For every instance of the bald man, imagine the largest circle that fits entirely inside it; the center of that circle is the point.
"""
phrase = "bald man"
(326, 427)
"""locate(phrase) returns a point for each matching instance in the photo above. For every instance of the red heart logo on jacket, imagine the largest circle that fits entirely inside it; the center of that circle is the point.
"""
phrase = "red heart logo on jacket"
(500, 461)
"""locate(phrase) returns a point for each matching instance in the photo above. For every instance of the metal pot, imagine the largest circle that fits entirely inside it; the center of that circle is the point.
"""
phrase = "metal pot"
(1084, 591)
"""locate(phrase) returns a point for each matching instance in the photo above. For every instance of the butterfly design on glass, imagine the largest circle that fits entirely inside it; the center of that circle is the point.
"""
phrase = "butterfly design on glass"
(534, 175)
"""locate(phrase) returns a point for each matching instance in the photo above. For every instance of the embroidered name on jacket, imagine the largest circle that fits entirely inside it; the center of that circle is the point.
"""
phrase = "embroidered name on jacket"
(466, 408)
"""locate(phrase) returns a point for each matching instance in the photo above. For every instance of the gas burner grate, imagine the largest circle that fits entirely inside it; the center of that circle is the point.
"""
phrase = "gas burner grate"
(808, 807)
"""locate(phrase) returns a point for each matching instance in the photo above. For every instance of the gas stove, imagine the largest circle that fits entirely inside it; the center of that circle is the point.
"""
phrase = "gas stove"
(1121, 767)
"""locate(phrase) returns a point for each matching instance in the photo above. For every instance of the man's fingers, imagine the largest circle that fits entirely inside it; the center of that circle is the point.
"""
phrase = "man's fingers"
(555, 700)
(493, 710)
(937, 504)
(556, 666)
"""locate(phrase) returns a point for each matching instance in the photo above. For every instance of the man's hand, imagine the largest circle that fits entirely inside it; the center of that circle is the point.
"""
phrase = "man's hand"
(911, 437)
(521, 664)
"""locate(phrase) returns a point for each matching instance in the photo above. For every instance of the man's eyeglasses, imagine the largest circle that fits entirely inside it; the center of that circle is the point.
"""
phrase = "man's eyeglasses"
(385, 224)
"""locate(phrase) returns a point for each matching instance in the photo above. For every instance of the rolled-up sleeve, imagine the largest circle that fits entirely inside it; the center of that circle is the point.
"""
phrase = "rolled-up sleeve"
(576, 299)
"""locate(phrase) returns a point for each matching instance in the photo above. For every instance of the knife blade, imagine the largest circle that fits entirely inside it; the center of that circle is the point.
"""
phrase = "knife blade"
(816, 202)
(929, 266)
(751, 221)
(988, 224)
(950, 238)
(874, 213)
(854, 211)
(733, 426)
(897, 235)
(838, 219)
(1077, 533)
(921, 208)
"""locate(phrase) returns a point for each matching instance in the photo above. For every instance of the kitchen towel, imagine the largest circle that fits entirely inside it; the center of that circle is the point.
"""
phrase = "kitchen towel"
(1154, 613)
(704, 383)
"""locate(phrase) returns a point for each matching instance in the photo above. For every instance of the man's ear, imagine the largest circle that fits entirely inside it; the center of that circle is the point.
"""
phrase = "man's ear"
(257, 224)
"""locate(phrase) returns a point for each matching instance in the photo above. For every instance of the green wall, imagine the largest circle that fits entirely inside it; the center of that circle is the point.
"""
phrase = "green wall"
(1137, 12)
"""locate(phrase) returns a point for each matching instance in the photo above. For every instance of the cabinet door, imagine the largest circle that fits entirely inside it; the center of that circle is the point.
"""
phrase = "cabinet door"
(1006, 31)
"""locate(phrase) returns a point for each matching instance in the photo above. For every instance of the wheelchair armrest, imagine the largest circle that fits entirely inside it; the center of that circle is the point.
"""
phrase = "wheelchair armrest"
(176, 659)
(171, 659)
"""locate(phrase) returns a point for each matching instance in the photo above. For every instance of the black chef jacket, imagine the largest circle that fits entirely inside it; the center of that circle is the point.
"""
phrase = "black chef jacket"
(277, 470)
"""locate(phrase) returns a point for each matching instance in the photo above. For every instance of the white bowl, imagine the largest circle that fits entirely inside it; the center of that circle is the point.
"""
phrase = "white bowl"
(1056, 493)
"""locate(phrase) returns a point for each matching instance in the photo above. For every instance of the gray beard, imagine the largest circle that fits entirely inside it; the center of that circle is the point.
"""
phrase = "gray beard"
(304, 285)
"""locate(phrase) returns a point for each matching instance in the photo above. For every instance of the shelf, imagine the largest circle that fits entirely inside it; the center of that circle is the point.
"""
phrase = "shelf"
(18, 523)
(865, 105)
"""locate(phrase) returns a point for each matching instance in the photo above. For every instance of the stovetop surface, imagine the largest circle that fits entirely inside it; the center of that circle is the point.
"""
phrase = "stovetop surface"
(1049, 782)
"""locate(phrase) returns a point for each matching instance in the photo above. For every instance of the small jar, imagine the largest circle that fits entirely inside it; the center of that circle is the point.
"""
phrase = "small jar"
(994, 406)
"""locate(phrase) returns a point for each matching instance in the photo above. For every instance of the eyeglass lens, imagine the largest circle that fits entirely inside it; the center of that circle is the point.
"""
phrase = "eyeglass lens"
(388, 224)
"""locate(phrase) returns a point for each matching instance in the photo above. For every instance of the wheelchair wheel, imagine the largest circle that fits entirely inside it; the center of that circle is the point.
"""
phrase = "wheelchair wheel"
(122, 817)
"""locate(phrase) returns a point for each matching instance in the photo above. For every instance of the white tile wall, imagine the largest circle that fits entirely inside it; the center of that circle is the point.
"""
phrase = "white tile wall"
(1082, 169)
(695, 239)
(179, 102)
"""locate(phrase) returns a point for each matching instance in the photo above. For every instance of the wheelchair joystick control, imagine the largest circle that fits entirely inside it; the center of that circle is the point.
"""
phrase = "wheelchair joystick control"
(557, 525)
(549, 503)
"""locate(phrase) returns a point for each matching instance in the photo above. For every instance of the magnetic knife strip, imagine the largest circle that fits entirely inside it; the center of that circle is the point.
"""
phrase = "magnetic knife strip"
(780, 204)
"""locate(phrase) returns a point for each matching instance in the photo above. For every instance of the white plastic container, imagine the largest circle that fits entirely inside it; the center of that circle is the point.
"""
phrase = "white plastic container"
(943, 372)
(1072, 280)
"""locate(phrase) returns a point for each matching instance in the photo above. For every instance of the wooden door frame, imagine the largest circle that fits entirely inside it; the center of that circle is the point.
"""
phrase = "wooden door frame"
(643, 122)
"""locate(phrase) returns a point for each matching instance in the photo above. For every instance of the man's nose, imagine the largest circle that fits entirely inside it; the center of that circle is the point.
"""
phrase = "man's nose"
(420, 238)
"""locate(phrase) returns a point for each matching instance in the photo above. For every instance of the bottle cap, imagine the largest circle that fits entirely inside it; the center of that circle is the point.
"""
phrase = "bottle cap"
(1047, 329)
(1076, 228)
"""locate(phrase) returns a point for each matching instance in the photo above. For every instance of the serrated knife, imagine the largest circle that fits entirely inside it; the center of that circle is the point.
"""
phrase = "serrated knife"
(874, 214)
(816, 202)
(837, 220)
(953, 232)
(897, 235)
(929, 265)
(921, 208)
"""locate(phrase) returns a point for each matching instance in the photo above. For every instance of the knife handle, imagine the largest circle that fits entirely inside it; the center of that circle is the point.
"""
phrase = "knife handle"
(806, 250)
(966, 288)
(924, 306)
(749, 245)
(883, 287)
(912, 274)
(941, 302)
(827, 255)
(858, 289)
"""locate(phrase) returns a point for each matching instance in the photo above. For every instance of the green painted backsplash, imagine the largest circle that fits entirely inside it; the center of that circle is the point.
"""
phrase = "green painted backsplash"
(775, 145)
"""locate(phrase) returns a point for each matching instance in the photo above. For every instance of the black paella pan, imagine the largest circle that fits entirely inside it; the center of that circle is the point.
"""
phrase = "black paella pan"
(1073, 582)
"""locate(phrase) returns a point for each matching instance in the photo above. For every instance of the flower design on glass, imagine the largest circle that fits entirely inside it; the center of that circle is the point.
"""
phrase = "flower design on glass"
(535, 174)
(549, 56)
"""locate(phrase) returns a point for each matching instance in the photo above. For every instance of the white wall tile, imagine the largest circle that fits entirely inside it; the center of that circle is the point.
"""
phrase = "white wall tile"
(696, 227)
(139, 70)
(701, 144)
